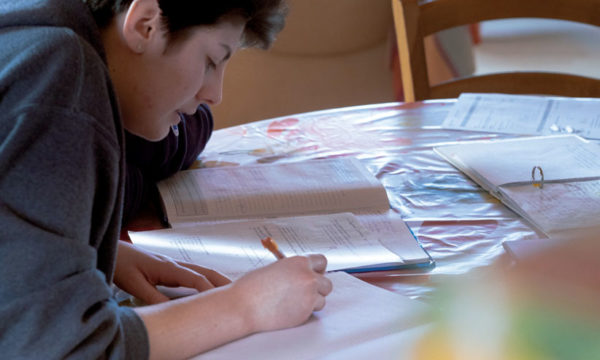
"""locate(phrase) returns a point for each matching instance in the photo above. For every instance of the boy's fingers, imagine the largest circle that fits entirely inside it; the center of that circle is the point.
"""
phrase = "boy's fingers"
(148, 293)
(324, 286)
(318, 262)
(215, 277)
(175, 275)
(319, 303)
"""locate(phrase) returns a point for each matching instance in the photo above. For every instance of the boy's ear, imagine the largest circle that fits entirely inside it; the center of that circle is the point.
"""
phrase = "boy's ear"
(141, 25)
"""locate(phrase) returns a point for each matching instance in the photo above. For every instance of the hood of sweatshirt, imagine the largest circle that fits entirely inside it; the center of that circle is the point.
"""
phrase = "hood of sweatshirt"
(72, 14)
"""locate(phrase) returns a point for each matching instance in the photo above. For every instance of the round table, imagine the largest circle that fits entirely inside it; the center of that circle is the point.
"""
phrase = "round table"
(459, 224)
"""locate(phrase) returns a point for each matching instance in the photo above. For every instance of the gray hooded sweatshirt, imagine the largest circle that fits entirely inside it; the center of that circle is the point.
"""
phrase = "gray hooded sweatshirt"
(61, 188)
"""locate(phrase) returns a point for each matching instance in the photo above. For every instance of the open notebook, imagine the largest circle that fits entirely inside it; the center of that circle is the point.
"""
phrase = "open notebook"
(552, 181)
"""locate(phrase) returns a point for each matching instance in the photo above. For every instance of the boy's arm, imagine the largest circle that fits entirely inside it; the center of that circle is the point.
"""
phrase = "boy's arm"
(283, 294)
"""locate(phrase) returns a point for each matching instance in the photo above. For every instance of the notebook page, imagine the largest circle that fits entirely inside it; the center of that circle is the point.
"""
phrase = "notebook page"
(560, 206)
(507, 161)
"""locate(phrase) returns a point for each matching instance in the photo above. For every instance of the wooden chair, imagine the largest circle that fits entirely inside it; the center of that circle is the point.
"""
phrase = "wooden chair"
(416, 19)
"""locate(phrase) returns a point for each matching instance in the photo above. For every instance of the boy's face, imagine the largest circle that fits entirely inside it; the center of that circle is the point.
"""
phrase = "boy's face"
(159, 82)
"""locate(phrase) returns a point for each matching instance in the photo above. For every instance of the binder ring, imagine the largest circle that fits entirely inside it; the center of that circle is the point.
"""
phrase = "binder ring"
(536, 183)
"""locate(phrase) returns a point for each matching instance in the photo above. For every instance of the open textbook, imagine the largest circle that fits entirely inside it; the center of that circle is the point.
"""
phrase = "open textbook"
(334, 207)
(525, 115)
(274, 190)
(552, 181)
(358, 319)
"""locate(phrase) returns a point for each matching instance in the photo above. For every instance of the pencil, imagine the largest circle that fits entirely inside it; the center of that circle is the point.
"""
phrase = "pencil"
(270, 244)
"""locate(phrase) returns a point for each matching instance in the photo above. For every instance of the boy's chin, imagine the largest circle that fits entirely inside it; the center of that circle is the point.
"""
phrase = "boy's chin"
(152, 134)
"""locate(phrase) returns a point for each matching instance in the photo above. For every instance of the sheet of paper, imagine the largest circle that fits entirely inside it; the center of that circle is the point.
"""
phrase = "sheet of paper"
(235, 248)
(506, 161)
(404, 345)
(394, 234)
(524, 114)
(521, 250)
(560, 206)
(323, 186)
(356, 314)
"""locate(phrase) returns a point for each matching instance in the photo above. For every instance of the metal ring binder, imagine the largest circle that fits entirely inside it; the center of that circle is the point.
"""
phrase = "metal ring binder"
(540, 183)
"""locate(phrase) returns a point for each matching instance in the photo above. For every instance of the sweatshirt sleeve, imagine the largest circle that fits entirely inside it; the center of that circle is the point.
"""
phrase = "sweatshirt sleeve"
(151, 161)
(60, 203)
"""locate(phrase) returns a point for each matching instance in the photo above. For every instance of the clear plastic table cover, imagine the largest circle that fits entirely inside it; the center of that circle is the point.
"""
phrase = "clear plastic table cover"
(458, 223)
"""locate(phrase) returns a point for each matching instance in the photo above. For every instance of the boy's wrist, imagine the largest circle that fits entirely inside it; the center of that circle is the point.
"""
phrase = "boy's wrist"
(242, 306)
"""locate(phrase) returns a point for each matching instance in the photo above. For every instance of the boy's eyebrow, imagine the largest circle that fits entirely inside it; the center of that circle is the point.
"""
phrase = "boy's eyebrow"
(228, 52)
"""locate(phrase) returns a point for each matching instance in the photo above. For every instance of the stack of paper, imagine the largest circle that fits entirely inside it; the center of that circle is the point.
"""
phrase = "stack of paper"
(526, 115)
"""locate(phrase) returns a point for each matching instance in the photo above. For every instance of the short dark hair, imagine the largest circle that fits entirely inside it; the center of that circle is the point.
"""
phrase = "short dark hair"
(264, 18)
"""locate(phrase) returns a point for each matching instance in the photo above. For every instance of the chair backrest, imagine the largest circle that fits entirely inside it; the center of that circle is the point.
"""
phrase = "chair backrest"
(416, 19)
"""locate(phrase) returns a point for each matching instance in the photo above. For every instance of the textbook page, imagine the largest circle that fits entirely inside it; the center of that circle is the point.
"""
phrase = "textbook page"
(356, 314)
(525, 114)
(319, 186)
(235, 248)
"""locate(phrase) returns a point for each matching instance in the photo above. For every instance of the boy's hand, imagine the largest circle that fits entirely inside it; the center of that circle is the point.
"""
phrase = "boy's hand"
(139, 272)
(284, 293)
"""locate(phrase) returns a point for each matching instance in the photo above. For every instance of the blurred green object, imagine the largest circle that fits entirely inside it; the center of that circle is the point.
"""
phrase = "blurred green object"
(490, 316)
(554, 334)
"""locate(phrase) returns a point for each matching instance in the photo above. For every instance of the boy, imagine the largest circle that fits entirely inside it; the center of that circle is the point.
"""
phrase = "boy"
(73, 74)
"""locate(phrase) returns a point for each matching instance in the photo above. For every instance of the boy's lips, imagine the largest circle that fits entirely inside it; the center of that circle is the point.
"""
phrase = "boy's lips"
(177, 119)
(190, 111)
